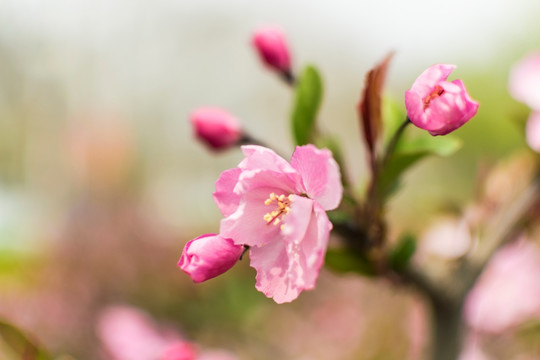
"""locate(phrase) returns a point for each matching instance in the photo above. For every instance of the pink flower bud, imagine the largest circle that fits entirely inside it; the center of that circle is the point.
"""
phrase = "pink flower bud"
(216, 127)
(208, 256)
(436, 105)
(524, 82)
(273, 49)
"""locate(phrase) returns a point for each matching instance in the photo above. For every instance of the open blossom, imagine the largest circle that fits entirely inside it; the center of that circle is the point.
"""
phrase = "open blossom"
(272, 48)
(437, 105)
(279, 210)
(208, 256)
(508, 292)
(216, 127)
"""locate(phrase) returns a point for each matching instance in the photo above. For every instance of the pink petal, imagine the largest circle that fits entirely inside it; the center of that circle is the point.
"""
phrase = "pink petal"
(259, 157)
(524, 83)
(292, 265)
(508, 290)
(224, 196)
(434, 74)
(320, 175)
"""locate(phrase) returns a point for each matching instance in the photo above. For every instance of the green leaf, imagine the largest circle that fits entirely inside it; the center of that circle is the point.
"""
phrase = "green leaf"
(344, 261)
(19, 343)
(407, 153)
(306, 105)
(401, 254)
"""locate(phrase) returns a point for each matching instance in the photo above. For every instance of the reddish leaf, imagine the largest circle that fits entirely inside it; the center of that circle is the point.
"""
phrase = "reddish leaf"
(369, 107)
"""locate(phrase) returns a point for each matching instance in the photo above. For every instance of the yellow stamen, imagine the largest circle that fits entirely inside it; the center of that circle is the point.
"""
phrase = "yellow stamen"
(282, 202)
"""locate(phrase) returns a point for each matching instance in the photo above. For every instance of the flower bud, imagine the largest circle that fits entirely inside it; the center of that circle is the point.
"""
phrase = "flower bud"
(216, 127)
(272, 48)
(208, 256)
(437, 105)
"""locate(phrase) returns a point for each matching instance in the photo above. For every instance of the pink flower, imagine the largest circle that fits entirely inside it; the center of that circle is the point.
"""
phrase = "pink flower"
(216, 127)
(436, 105)
(272, 48)
(524, 82)
(508, 292)
(130, 334)
(208, 256)
(278, 209)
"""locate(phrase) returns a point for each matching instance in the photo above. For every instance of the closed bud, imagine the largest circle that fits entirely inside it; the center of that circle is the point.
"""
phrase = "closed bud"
(216, 127)
(437, 105)
(208, 256)
(273, 49)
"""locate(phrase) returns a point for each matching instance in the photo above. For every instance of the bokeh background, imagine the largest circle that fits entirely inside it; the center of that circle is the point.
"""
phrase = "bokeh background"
(102, 182)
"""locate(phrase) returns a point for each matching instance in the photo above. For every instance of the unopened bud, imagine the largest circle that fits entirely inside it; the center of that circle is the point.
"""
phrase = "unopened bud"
(208, 256)
(273, 49)
(216, 127)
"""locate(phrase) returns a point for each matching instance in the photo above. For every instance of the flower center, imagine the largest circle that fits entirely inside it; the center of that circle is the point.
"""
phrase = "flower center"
(438, 91)
(282, 204)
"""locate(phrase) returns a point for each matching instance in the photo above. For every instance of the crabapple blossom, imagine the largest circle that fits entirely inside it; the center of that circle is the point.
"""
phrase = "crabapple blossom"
(208, 256)
(272, 48)
(437, 105)
(216, 127)
(508, 291)
(279, 210)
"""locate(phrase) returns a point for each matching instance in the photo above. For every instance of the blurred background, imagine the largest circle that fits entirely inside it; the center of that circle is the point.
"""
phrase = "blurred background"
(102, 182)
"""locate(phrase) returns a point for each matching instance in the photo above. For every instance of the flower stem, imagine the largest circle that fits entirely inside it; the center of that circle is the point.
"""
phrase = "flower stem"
(391, 147)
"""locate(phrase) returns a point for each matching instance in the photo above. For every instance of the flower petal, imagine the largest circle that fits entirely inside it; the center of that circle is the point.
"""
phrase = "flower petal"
(224, 196)
(259, 157)
(320, 175)
(286, 268)
(433, 75)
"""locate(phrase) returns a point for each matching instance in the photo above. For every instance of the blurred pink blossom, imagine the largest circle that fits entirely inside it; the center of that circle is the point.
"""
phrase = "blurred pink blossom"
(128, 333)
(208, 256)
(436, 105)
(216, 127)
(279, 210)
(524, 82)
(448, 238)
(272, 48)
(508, 292)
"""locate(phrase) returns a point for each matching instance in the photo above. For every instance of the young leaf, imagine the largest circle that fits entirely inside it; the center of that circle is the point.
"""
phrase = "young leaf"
(407, 153)
(401, 254)
(307, 102)
(370, 105)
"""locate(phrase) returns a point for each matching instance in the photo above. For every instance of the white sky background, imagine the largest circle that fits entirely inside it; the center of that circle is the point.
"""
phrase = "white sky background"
(157, 60)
